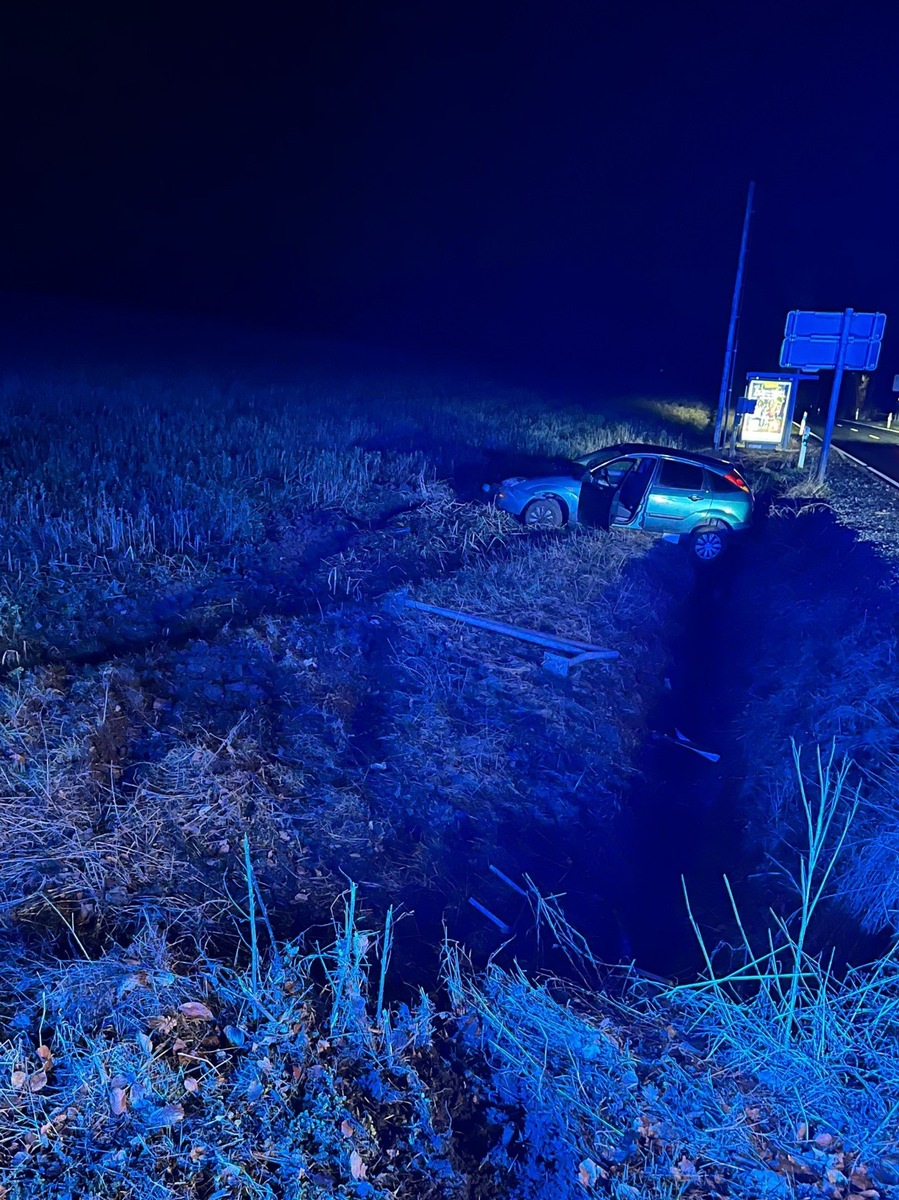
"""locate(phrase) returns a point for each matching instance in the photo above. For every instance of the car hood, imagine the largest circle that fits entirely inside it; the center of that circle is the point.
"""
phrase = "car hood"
(559, 479)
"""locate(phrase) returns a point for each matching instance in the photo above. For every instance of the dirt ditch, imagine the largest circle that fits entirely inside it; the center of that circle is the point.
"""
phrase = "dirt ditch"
(620, 875)
(685, 821)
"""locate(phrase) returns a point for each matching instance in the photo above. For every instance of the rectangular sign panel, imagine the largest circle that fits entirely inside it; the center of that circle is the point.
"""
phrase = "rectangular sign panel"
(812, 341)
(765, 425)
(869, 326)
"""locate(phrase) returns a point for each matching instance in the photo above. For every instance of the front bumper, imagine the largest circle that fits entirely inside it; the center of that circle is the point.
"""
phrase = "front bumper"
(504, 498)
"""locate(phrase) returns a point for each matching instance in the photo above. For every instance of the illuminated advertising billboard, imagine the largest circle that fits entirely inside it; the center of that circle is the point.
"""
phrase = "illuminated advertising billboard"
(765, 425)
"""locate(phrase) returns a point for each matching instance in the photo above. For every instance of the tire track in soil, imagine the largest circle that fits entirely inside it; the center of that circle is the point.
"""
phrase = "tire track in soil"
(285, 593)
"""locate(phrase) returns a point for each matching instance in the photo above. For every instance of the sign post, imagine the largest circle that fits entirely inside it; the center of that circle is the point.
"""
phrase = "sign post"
(834, 394)
(838, 342)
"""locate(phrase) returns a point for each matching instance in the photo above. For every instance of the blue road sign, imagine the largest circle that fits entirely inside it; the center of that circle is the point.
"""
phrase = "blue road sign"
(812, 341)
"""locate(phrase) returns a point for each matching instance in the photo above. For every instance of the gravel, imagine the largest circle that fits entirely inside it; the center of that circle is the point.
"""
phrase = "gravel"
(866, 503)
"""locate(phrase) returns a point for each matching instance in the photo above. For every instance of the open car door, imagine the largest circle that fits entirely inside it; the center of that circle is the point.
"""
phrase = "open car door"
(615, 492)
(629, 500)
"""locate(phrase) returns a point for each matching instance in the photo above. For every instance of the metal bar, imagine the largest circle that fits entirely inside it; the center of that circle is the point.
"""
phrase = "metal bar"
(489, 915)
(834, 395)
(547, 640)
(507, 881)
(729, 353)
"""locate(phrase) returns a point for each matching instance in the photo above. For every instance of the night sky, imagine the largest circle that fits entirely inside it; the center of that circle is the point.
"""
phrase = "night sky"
(546, 188)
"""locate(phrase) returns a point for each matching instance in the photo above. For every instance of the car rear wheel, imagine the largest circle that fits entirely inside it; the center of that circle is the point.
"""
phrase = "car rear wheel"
(707, 545)
(543, 513)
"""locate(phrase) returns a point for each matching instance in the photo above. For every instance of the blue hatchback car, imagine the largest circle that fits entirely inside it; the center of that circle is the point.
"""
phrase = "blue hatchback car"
(636, 486)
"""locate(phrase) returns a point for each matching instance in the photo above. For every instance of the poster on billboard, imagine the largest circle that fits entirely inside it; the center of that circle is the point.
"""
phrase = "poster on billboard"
(772, 410)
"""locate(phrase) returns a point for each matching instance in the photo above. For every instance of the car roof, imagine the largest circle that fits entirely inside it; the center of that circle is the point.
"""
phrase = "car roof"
(607, 453)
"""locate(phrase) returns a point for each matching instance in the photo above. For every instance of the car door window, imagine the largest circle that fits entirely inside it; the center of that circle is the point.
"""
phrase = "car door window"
(677, 475)
(614, 472)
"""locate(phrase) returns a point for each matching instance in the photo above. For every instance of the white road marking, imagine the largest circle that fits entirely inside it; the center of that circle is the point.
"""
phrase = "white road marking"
(858, 462)
(854, 430)
(874, 436)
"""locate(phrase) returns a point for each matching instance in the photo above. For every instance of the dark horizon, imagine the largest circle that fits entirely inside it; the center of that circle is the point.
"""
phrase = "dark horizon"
(549, 191)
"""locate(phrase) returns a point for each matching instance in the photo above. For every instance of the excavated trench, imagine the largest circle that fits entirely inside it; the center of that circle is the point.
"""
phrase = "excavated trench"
(619, 877)
(683, 824)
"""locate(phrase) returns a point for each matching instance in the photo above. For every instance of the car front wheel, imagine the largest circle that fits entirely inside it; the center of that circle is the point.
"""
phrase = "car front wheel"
(543, 513)
(707, 545)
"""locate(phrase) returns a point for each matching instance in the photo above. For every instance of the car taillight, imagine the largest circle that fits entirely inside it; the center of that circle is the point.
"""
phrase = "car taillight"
(737, 481)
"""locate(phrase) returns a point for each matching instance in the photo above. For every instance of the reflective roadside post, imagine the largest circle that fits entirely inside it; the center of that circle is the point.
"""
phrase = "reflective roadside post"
(803, 446)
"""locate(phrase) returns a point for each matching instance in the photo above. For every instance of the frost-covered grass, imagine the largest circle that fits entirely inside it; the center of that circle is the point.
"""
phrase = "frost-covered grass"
(286, 1072)
(774, 1078)
(115, 489)
(133, 502)
(165, 1030)
(138, 1075)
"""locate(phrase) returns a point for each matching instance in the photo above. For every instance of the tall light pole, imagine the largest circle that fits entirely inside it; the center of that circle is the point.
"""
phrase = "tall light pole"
(728, 372)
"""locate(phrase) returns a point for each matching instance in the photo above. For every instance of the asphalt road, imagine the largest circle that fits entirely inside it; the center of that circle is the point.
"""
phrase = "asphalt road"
(873, 444)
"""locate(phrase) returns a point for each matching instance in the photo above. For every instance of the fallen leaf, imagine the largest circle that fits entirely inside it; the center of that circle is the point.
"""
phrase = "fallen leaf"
(191, 1085)
(357, 1166)
(169, 1114)
(588, 1173)
(18, 1079)
(194, 1010)
(118, 1101)
(45, 1055)
(38, 1081)
(346, 1129)
(130, 982)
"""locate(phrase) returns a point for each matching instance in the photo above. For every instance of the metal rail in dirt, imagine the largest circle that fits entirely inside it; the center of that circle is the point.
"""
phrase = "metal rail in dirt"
(561, 653)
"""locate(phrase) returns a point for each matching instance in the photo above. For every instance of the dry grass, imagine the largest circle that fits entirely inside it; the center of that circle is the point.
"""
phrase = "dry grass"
(170, 1037)
(137, 1075)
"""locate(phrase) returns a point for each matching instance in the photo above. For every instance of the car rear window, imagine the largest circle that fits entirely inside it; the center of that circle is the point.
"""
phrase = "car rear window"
(721, 485)
(677, 474)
